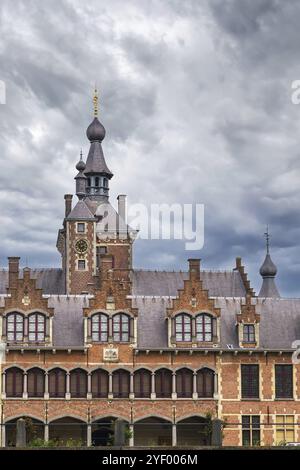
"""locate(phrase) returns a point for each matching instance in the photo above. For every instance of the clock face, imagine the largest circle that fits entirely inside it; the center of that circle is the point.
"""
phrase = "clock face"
(81, 246)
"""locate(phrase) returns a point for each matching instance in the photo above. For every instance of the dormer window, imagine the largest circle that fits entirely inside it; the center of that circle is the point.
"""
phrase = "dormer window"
(100, 327)
(121, 328)
(183, 330)
(248, 334)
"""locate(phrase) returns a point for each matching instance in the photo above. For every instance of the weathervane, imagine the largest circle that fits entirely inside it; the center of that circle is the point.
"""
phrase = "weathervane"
(95, 101)
(267, 235)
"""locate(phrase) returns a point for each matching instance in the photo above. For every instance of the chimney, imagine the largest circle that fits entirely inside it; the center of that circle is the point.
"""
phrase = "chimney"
(68, 204)
(194, 268)
(122, 229)
(13, 271)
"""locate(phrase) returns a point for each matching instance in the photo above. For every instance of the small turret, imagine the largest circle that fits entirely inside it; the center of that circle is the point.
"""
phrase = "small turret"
(80, 179)
(268, 272)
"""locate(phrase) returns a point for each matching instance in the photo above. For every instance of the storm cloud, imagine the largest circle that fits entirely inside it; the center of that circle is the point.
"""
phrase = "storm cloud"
(195, 97)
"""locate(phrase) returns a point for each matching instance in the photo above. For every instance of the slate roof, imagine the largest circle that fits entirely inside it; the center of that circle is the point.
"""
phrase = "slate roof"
(163, 283)
(80, 212)
(95, 161)
(68, 319)
(51, 280)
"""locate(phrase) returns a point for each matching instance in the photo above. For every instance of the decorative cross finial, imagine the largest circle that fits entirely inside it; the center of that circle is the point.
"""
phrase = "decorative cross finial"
(267, 235)
(95, 101)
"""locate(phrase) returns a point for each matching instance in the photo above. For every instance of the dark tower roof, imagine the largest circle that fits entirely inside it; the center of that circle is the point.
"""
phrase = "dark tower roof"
(268, 272)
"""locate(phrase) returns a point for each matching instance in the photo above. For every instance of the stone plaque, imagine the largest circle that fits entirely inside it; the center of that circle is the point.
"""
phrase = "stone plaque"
(110, 354)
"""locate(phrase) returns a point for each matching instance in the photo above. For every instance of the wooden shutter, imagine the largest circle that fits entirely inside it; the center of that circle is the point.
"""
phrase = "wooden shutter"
(57, 383)
(78, 386)
(163, 383)
(184, 383)
(14, 382)
(142, 384)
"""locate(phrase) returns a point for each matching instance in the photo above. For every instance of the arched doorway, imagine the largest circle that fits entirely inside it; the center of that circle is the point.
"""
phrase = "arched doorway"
(34, 430)
(68, 430)
(153, 431)
(194, 431)
(103, 430)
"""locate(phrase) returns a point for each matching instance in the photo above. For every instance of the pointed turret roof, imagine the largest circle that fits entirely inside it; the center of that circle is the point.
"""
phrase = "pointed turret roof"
(268, 272)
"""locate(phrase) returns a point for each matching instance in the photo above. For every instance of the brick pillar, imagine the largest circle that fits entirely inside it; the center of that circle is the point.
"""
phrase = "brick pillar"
(68, 204)
(194, 268)
(13, 271)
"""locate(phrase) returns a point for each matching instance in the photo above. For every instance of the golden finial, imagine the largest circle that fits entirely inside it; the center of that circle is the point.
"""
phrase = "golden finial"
(95, 101)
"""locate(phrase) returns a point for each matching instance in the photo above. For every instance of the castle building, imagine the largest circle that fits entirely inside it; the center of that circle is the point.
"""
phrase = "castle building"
(167, 352)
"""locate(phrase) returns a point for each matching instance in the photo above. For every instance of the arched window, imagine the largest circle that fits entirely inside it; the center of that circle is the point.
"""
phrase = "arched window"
(205, 383)
(184, 383)
(121, 328)
(57, 383)
(37, 327)
(204, 327)
(35, 382)
(99, 383)
(15, 327)
(183, 330)
(100, 327)
(121, 383)
(14, 382)
(142, 383)
(163, 383)
(78, 383)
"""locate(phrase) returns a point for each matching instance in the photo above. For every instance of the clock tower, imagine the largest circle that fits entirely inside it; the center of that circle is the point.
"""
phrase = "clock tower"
(95, 238)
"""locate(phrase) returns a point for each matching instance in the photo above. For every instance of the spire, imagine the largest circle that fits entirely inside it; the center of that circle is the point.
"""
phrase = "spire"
(96, 170)
(80, 178)
(268, 272)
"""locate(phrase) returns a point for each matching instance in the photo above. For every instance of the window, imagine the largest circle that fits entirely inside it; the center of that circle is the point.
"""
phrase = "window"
(251, 430)
(204, 329)
(284, 380)
(142, 383)
(105, 182)
(183, 328)
(121, 328)
(248, 334)
(14, 382)
(121, 382)
(15, 327)
(35, 382)
(81, 264)
(250, 380)
(100, 327)
(37, 327)
(97, 181)
(99, 384)
(102, 250)
(184, 383)
(89, 181)
(78, 383)
(285, 429)
(205, 383)
(81, 227)
(57, 383)
(163, 383)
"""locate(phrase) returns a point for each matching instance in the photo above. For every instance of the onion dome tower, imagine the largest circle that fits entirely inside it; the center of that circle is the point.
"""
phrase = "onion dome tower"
(268, 272)
(96, 171)
(80, 179)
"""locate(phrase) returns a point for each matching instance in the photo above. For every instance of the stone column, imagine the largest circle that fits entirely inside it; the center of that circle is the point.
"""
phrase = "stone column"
(25, 393)
(46, 432)
(89, 386)
(131, 439)
(3, 385)
(68, 394)
(131, 387)
(3, 437)
(195, 393)
(21, 433)
(174, 394)
(216, 392)
(153, 394)
(174, 435)
(110, 386)
(89, 435)
(46, 392)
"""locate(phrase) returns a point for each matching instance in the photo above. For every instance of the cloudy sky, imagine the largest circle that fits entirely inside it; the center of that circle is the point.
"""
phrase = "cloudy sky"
(196, 101)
